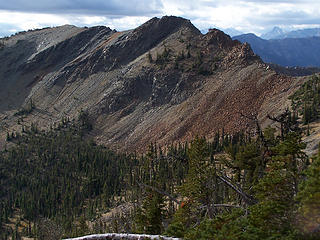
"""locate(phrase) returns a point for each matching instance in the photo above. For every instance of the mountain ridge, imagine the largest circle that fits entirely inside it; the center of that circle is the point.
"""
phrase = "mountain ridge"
(160, 82)
(273, 34)
(302, 52)
(278, 33)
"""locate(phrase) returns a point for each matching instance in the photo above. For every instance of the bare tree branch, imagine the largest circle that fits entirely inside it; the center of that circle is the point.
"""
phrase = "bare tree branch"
(222, 205)
(286, 125)
(142, 185)
(246, 197)
(227, 205)
(254, 118)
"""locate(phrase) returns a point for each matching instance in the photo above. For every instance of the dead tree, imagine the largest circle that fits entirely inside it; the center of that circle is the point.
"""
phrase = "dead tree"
(248, 199)
(287, 124)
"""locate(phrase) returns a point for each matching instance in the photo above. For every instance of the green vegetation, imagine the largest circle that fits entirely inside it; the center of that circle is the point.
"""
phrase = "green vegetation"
(163, 58)
(26, 110)
(309, 201)
(271, 203)
(150, 57)
(200, 66)
(306, 101)
(1, 44)
(180, 56)
(58, 175)
(150, 216)
(233, 187)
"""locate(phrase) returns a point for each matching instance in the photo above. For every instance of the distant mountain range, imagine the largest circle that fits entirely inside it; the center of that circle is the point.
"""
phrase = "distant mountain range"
(273, 34)
(294, 51)
(278, 33)
(232, 32)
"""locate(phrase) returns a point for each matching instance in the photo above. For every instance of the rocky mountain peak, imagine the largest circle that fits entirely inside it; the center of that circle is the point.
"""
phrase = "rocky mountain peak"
(156, 29)
(219, 38)
(216, 36)
(167, 23)
(233, 52)
(274, 33)
(163, 81)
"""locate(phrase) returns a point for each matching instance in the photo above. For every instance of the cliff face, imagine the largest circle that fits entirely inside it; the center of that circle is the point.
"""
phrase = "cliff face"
(163, 81)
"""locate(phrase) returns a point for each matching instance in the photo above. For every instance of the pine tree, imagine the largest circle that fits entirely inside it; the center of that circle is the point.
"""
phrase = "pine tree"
(199, 188)
(150, 216)
(249, 159)
(150, 57)
(272, 216)
(309, 198)
(196, 186)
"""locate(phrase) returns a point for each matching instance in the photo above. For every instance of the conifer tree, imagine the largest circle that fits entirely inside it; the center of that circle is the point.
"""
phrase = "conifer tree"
(309, 198)
(273, 216)
(200, 183)
(150, 216)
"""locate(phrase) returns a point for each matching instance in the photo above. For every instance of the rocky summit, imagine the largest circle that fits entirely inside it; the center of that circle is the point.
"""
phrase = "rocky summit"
(161, 82)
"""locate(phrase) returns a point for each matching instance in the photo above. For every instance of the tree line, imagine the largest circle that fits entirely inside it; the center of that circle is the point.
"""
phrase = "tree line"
(257, 185)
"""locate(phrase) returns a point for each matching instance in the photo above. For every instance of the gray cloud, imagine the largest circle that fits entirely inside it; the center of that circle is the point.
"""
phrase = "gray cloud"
(91, 7)
(286, 18)
(255, 16)
(282, 1)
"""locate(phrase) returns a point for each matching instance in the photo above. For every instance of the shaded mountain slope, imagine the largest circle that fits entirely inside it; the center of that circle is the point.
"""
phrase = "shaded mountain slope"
(163, 81)
(26, 58)
(295, 71)
(303, 52)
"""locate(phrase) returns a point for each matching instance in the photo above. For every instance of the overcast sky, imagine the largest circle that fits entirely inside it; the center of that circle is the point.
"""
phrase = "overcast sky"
(245, 16)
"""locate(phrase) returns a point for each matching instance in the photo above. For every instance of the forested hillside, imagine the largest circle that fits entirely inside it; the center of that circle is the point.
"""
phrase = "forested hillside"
(249, 185)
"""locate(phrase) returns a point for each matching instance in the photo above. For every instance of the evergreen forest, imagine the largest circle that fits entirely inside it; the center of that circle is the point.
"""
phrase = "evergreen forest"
(260, 184)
